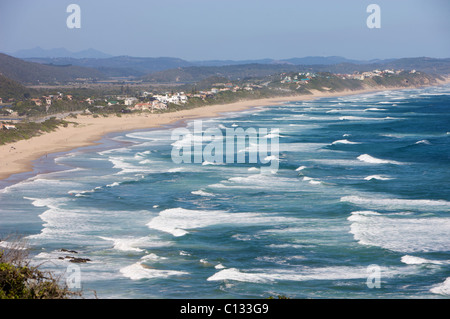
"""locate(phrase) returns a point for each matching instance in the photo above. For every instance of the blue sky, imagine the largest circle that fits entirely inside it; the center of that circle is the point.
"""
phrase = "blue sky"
(232, 29)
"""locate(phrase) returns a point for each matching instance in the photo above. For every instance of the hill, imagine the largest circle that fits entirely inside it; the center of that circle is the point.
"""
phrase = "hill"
(239, 72)
(120, 66)
(34, 73)
(12, 89)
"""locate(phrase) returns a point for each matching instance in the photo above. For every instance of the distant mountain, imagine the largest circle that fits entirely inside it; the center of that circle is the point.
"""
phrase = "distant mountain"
(310, 60)
(123, 66)
(33, 73)
(323, 60)
(38, 52)
(120, 66)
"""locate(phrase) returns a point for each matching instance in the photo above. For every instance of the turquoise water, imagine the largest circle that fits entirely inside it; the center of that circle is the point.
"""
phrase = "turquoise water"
(362, 184)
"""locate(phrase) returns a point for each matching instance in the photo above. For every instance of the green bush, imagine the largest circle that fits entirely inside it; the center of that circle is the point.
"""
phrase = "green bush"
(20, 280)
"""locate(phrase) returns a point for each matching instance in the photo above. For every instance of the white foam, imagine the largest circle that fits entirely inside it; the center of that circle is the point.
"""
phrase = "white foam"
(139, 271)
(113, 184)
(152, 257)
(443, 288)
(271, 158)
(374, 109)
(311, 180)
(397, 203)
(400, 234)
(211, 163)
(344, 142)
(253, 169)
(300, 168)
(202, 193)
(126, 244)
(423, 142)
(413, 260)
(178, 221)
(274, 133)
(373, 160)
(301, 274)
(378, 177)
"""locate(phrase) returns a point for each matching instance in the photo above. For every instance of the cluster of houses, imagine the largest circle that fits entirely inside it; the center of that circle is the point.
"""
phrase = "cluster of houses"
(155, 102)
(304, 78)
(369, 74)
(48, 100)
(300, 78)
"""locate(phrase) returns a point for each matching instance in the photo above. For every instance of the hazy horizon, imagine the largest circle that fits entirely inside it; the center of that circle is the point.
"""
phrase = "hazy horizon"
(235, 30)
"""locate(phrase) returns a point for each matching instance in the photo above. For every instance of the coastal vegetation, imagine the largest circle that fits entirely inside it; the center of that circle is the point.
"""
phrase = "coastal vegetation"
(21, 280)
(28, 129)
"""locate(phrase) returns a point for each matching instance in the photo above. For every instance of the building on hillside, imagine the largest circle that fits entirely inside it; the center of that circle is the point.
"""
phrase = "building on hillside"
(129, 100)
(157, 105)
(178, 98)
(48, 100)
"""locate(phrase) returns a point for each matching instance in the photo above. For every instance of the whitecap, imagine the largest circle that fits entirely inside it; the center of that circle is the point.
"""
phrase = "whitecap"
(344, 142)
(400, 234)
(423, 142)
(373, 160)
(202, 193)
(377, 177)
(413, 260)
(211, 163)
(374, 109)
(139, 271)
(442, 289)
(126, 244)
(311, 180)
(300, 274)
(397, 203)
(178, 221)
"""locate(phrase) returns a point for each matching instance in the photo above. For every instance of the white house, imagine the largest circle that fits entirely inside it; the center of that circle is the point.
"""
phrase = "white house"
(129, 100)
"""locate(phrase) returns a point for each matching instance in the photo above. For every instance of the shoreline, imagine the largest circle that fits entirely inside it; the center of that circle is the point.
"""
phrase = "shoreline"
(18, 157)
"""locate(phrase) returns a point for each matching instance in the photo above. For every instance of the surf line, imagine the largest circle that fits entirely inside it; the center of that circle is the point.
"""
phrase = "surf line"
(237, 146)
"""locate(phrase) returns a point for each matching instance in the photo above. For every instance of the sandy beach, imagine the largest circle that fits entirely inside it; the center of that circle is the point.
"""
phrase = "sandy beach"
(18, 157)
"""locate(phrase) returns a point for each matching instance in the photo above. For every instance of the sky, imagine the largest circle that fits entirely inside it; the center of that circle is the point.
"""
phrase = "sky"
(231, 29)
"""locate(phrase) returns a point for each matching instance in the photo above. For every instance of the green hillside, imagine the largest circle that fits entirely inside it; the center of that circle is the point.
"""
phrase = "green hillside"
(12, 89)
(35, 73)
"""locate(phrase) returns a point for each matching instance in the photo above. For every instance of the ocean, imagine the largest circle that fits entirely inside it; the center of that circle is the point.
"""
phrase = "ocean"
(358, 206)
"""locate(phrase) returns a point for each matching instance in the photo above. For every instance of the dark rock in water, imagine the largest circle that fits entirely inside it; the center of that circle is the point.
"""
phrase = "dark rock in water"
(79, 260)
(76, 259)
(69, 251)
